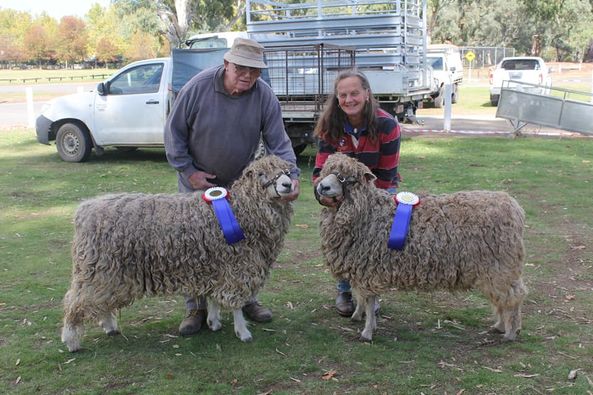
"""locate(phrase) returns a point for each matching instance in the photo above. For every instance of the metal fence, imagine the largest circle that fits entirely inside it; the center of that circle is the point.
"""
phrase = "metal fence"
(522, 103)
(486, 56)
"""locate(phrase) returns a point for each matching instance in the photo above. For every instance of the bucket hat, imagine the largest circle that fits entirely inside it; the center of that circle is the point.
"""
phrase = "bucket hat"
(246, 52)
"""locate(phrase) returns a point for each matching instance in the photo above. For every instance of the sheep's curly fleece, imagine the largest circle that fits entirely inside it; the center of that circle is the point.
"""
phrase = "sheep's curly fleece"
(127, 246)
(458, 241)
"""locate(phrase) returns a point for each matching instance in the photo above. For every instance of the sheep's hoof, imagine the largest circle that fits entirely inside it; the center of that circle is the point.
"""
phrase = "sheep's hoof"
(113, 332)
(245, 338)
(365, 339)
(214, 325)
(511, 337)
(356, 318)
(495, 329)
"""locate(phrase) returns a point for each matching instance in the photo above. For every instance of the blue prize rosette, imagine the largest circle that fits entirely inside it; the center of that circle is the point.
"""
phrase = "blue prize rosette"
(231, 230)
(401, 220)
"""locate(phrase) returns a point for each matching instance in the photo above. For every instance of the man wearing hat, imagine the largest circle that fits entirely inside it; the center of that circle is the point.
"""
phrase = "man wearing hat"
(213, 132)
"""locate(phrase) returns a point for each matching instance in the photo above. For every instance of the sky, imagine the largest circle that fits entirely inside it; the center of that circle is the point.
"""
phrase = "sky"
(54, 8)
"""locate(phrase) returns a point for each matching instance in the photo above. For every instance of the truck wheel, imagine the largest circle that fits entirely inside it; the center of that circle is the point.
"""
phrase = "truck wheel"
(455, 95)
(299, 149)
(494, 100)
(438, 101)
(73, 143)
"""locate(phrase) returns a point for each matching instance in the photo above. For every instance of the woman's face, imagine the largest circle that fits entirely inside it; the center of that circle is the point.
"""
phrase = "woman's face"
(352, 97)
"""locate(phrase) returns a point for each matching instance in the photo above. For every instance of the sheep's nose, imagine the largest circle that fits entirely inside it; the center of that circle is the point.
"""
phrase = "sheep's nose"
(287, 185)
(323, 188)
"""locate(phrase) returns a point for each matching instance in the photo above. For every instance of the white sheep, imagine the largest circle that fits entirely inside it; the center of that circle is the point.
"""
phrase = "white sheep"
(458, 241)
(128, 246)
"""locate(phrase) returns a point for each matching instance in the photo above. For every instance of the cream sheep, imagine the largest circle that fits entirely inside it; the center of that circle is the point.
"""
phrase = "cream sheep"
(455, 242)
(128, 246)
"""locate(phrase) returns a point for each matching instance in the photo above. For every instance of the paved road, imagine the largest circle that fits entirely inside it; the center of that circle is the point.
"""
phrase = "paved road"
(15, 114)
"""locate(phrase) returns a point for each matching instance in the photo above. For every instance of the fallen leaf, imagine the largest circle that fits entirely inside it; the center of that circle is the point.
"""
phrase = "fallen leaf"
(280, 352)
(460, 392)
(579, 247)
(303, 226)
(169, 376)
(296, 380)
(570, 297)
(265, 393)
(70, 360)
(18, 380)
(18, 362)
(329, 375)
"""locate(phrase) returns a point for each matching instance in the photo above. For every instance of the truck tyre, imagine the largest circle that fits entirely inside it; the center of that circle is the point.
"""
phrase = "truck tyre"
(299, 149)
(494, 100)
(438, 101)
(455, 95)
(73, 143)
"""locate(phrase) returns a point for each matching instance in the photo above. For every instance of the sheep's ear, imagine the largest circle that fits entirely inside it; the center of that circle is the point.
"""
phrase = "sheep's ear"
(369, 177)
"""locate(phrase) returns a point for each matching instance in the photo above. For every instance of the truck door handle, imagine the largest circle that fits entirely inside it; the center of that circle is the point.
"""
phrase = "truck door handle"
(152, 102)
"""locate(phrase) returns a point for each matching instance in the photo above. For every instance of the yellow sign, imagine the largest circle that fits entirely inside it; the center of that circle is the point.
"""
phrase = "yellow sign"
(470, 56)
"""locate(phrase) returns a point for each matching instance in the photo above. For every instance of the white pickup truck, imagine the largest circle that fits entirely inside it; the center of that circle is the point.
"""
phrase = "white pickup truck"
(126, 111)
(531, 70)
(447, 66)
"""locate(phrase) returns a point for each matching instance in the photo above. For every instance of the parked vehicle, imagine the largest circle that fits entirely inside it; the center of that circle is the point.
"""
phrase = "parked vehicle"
(447, 66)
(523, 69)
(305, 49)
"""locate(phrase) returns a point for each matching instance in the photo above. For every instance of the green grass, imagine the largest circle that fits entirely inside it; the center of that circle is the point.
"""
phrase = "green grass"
(425, 343)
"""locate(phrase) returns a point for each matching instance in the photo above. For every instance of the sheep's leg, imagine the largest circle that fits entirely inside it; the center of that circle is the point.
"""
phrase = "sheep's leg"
(359, 309)
(371, 321)
(512, 322)
(213, 319)
(241, 326)
(498, 327)
(73, 328)
(108, 322)
(508, 310)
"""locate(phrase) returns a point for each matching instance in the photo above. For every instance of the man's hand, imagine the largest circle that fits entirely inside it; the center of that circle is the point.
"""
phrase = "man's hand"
(199, 180)
(295, 191)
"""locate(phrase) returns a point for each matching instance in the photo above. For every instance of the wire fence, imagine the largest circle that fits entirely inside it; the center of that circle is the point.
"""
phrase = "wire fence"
(485, 56)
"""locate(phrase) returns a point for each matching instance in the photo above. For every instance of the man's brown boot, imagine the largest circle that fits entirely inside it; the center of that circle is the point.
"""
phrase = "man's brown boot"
(256, 312)
(344, 304)
(193, 322)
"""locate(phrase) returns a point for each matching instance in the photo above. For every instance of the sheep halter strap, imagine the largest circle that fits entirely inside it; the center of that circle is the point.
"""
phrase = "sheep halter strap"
(401, 220)
(231, 230)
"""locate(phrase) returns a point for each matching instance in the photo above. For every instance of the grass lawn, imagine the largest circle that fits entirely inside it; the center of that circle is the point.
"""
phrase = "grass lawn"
(425, 343)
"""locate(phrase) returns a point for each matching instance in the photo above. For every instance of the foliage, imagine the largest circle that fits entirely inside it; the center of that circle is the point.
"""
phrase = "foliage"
(560, 30)
(530, 26)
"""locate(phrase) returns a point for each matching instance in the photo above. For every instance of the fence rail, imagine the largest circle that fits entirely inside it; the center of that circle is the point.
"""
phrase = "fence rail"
(56, 78)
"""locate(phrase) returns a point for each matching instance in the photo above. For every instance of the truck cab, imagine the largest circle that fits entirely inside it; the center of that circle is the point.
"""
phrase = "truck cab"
(447, 66)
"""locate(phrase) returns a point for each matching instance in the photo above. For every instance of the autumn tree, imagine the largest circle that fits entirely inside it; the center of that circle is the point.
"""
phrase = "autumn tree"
(72, 40)
(13, 25)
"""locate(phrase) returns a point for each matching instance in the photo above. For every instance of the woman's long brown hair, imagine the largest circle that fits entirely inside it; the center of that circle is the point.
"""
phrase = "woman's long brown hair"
(330, 125)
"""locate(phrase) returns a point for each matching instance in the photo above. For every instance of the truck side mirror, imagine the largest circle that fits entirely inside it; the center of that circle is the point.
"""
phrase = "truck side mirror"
(101, 89)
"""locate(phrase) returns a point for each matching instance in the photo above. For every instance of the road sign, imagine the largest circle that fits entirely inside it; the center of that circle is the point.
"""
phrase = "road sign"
(470, 56)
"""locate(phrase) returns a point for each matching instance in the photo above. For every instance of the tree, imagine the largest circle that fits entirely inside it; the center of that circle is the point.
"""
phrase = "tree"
(13, 25)
(72, 39)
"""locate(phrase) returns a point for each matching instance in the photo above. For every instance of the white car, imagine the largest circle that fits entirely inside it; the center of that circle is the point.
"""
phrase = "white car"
(523, 69)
